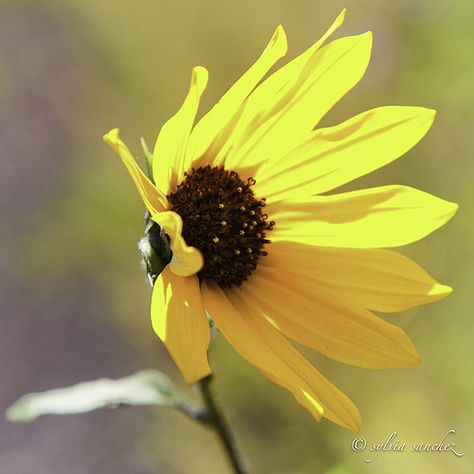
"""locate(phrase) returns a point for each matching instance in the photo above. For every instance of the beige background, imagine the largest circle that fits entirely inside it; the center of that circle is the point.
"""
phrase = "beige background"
(74, 303)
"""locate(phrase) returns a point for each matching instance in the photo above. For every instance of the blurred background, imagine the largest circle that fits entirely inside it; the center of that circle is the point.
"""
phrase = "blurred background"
(74, 299)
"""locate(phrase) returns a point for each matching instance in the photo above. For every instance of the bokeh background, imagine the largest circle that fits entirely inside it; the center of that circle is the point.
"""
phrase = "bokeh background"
(74, 299)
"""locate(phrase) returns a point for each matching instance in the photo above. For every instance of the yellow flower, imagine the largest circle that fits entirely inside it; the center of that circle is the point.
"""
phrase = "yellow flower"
(257, 245)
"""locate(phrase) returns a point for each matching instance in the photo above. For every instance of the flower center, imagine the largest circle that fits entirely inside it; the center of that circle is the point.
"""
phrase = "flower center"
(223, 219)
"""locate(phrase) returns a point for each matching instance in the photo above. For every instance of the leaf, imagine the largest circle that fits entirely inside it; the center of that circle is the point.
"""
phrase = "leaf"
(147, 387)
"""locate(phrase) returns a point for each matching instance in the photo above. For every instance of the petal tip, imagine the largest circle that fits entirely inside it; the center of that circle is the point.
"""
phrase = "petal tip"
(355, 421)
(428, 115)
(200, 70)
(414, 358)
(279, 34)
(406, 353)
(364, 41)
(279, 40)
(111, 136)
(454, 208)
(340, 18)
(356, 426)
(451, 208)
(440, 290)
(200, 76)
(368, 36)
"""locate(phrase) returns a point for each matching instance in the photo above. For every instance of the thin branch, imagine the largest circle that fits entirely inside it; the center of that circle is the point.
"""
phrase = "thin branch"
(220, 426)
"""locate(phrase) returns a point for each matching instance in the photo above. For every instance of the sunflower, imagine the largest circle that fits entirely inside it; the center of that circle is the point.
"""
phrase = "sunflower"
(258, 247)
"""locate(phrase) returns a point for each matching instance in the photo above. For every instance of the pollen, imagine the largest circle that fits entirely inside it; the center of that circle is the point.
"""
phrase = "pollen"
(205, 224)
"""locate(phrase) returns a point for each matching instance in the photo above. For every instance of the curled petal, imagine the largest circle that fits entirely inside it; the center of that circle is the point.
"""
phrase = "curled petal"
(186, 260)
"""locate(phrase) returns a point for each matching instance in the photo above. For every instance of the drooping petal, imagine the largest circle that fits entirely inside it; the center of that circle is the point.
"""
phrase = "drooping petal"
(381, 280)
(186, 260)
(154, 200)
(275, 125)
(325, 322)
(170, 147)
(333, 156)
(386, 216)
(262, 345)
(179, 320)
(204, 136)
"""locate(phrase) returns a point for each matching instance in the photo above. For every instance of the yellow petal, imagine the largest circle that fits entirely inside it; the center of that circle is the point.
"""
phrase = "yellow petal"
(262, 345)
(386, 216)
(205, 135)
(380, 280)
(179, 320)
(324, 322)
(286, 77)
(330, 157)
(186, 260)
(170, 147)
(287, 119)
(251, 115)
(154, 200)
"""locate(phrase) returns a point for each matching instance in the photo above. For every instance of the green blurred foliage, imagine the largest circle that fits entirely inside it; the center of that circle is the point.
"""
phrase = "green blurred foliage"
(94, 65)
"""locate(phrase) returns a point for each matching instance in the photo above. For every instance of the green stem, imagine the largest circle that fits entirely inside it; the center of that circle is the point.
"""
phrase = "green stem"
(220, 426)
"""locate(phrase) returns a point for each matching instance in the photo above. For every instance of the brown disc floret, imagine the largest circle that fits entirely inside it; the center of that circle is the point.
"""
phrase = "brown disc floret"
(224, 220)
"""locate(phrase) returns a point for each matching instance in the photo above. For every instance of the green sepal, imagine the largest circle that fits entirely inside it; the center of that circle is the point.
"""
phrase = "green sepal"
(155, 249)
(148, 158)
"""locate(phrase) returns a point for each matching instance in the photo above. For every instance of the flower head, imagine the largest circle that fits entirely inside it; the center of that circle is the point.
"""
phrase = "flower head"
(258, 247)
